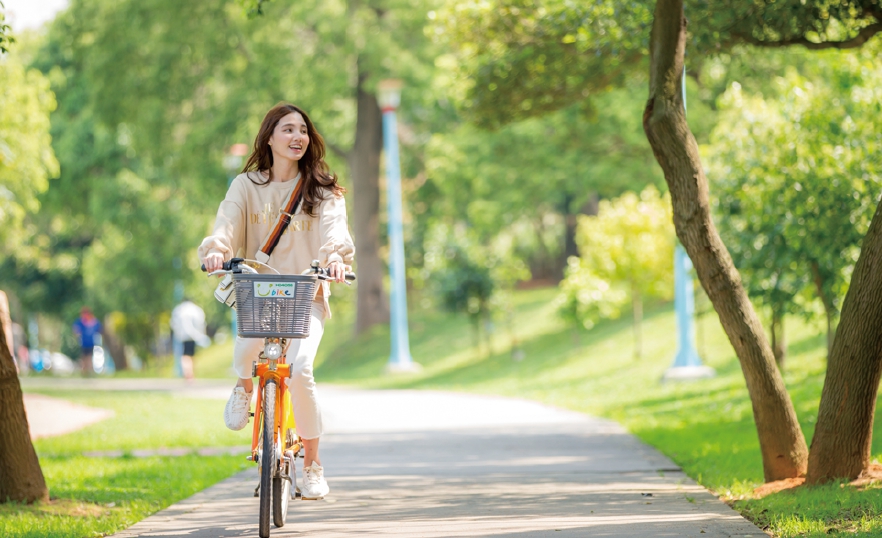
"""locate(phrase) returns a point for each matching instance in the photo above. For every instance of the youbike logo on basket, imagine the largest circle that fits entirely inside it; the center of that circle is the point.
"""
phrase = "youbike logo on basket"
(281, 290)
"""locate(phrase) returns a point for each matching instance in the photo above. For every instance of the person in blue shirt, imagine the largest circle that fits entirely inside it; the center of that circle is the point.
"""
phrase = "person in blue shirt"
(87, 327)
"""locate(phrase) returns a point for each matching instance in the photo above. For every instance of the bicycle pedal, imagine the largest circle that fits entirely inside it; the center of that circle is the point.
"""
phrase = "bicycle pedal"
(251, 414)
(257, 491)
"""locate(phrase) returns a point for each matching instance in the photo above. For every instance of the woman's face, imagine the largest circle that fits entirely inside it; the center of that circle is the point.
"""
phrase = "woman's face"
(290, 138)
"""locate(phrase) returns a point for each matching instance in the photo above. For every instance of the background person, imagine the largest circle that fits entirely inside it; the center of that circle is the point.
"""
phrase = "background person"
(188, 327)
(87, 327)
(288, 150)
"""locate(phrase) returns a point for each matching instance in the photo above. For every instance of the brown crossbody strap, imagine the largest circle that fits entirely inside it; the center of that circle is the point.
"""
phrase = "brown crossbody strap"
(284, 219)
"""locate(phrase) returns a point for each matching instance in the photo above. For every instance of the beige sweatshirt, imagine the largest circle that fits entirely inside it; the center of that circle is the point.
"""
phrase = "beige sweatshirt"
(249, 211)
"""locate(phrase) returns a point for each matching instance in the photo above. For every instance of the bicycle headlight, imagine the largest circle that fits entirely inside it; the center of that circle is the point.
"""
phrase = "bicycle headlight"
(272, 351)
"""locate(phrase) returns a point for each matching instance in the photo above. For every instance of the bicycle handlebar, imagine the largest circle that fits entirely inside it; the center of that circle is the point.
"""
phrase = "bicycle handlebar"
(326, 272)
(232, 266)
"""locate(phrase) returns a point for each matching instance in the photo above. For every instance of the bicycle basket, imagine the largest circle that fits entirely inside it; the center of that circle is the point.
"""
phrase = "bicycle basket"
(274, 305)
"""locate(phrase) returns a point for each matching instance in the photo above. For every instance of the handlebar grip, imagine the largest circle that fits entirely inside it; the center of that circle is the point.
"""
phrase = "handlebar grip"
(227, 266)
(346, 276)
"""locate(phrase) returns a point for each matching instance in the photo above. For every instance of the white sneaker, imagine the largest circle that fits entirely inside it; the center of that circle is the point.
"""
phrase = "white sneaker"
(238, 409)
(314, 484)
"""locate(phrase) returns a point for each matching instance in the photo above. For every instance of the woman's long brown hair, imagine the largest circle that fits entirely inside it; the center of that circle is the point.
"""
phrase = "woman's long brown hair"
(314, 172)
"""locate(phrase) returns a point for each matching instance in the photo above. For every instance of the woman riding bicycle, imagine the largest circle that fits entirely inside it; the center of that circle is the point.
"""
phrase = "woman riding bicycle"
(287, 150)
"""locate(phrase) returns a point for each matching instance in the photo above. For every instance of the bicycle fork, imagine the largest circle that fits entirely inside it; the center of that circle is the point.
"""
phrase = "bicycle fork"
(268, 367)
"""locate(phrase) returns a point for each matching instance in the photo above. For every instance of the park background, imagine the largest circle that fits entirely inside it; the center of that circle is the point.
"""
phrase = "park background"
(538, 229)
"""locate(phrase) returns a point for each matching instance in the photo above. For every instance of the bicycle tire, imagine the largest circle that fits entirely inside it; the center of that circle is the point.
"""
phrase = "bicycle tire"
(281, 494)
(267, 457)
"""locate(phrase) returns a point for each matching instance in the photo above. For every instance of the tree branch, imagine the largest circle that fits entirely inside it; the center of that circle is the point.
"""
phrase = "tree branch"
(857, 41)
(667, 52)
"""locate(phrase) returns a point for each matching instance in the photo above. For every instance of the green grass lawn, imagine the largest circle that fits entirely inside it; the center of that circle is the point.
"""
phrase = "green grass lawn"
(705, 426)
(99, 496)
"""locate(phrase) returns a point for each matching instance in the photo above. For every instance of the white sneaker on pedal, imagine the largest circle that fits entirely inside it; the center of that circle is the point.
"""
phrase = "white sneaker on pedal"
(238, 409)
(314, 485)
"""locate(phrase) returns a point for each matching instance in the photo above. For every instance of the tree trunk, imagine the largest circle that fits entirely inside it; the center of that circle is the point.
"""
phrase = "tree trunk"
(21, 479)
(827, 301)
(542, 264)
(592, 206)
(637, 309)
(782, 444)
(372, 307)
(571, 220)
(114, 345)
(779, 342)
(841, 444)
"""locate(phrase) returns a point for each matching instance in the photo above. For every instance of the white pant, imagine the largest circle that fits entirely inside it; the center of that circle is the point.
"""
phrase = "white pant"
(301, 355)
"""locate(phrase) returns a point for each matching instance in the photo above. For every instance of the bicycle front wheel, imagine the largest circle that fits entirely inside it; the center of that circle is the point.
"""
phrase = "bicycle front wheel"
(267, 457)
(281, 494)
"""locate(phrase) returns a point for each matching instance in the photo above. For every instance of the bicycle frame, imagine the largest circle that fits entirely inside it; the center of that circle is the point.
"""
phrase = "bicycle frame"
(279, 371)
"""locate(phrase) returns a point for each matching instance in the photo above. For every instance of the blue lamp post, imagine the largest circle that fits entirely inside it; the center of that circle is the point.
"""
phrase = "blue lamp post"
(389, 96)
(687, 363)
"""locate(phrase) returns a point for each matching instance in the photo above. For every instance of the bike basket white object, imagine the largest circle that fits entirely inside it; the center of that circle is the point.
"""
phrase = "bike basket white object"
(224, 292)
(274, 305)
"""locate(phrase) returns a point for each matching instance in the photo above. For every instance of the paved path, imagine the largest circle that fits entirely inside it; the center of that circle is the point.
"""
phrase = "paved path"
(51, 416)
(430, 464)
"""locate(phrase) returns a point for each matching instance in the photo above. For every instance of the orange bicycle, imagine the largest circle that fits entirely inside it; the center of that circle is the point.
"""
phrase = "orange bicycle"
(277, 308)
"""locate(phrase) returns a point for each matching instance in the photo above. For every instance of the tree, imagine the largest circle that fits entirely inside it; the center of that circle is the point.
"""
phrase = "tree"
(770, 24)
(795, 183)
(844, 432)
(841, 446)
(781, 441)
(536, 176)
(25, 148)
(21, 479)
(469, 276)
(24, 153)
(628, 246)
(586, 298)
(523, 58)
(124, 184)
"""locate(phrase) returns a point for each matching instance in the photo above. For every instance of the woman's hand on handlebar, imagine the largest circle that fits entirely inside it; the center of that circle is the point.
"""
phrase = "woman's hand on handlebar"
(213, 262)
(337, 271)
